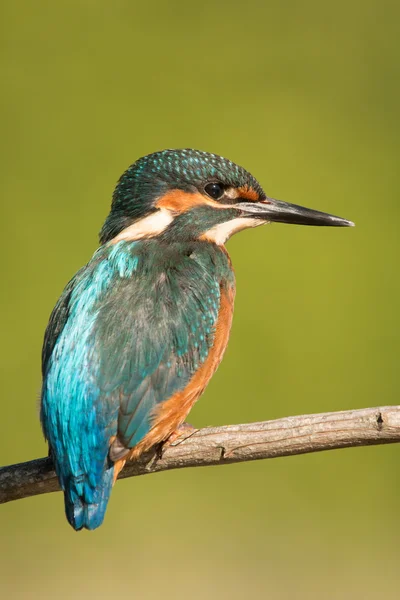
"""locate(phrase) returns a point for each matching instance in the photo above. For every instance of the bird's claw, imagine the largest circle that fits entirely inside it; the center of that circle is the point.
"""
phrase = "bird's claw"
(178, 436)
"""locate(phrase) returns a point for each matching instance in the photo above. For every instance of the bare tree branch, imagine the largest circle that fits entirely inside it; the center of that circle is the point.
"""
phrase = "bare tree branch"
(230, 444)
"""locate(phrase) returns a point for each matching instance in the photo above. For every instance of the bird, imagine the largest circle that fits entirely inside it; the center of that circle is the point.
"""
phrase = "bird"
(140, 330)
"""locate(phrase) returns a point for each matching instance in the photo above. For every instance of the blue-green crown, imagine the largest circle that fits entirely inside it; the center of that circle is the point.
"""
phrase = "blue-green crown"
(153, 175)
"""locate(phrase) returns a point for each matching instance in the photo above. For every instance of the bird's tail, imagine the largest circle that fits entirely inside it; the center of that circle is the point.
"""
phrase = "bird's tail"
(85, 505)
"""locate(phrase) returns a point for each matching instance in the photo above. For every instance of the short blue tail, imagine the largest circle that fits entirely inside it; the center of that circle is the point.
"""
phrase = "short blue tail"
(86, 506)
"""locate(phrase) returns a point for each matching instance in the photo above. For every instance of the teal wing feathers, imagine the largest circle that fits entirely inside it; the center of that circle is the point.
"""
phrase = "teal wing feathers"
(130, 330)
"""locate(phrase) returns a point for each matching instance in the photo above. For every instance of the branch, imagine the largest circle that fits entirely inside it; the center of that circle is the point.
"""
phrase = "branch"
(230, 444)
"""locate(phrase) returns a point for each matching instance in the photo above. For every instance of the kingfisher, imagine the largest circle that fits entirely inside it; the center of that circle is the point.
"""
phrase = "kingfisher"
(139, 331)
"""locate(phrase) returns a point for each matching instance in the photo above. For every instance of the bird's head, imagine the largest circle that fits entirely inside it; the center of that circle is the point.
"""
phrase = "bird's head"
(188, 194)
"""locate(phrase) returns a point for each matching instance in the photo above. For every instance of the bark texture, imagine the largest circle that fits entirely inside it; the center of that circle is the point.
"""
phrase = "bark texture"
(229, 444)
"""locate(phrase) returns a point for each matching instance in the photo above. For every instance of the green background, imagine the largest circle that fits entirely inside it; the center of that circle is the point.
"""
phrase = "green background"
(305, 95)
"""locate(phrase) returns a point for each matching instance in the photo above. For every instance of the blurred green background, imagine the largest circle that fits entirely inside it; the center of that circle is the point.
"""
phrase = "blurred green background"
(306, 95)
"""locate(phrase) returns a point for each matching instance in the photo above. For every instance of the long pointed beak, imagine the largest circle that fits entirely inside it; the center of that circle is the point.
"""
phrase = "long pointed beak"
(283, 212)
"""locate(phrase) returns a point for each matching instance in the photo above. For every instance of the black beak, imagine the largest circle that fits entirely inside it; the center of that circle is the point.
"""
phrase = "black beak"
(283, 212)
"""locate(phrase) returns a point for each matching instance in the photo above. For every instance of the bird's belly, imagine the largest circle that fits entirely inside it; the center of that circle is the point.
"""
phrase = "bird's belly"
(172, 413)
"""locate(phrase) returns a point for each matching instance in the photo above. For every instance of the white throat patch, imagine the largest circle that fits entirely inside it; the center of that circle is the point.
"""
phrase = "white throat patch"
(222, 232)
(146, 227)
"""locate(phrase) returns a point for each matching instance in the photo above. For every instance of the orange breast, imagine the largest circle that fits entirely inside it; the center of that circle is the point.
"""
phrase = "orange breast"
(172, 413)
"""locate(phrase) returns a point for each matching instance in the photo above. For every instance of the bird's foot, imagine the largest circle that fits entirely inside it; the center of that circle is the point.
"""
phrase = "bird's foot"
(181, 434)
(178, 436)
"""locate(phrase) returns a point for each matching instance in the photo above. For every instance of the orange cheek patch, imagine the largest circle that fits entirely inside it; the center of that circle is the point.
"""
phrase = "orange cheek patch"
(178, 201)
(248, 193)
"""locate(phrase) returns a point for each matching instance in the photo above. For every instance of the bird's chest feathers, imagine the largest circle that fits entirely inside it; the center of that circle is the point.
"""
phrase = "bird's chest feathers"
(202, 322)
(169, 415)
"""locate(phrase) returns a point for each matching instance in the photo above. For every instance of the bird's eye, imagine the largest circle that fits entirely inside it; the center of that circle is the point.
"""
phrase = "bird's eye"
(214, 190)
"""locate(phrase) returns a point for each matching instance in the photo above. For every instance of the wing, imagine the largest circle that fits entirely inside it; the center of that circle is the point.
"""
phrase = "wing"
(129, 331)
